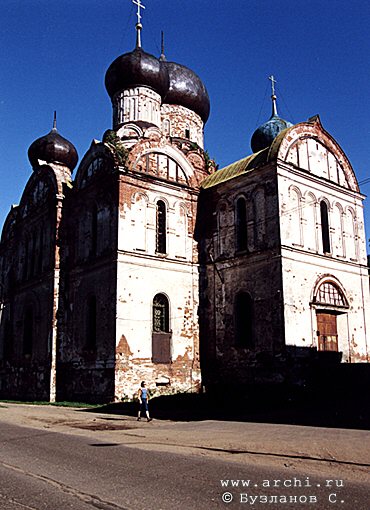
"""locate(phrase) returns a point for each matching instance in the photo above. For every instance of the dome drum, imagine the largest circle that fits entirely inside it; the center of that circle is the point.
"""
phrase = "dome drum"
(139, 102)
(175, 83)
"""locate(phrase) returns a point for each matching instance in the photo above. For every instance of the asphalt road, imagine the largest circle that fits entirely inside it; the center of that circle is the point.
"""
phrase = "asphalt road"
(46, 469)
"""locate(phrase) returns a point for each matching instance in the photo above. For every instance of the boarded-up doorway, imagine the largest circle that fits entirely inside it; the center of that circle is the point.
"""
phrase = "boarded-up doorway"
(161, 347)
(327, 331)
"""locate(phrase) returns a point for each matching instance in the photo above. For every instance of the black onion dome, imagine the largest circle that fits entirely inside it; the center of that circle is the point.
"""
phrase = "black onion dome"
(136, 68)
(266, 134)
(53, 148)
(187, 89)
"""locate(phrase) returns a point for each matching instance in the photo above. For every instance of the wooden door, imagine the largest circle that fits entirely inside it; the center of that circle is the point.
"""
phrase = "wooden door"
(161, 347)
(327, 331)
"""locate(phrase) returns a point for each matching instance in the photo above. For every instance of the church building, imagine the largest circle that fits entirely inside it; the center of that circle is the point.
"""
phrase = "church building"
(283, 267)
(151, 264)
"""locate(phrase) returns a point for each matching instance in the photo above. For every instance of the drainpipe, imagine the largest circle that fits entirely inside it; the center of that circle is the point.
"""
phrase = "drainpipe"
(349, 340)
(363, 313)
(54, 320)
(1, 301)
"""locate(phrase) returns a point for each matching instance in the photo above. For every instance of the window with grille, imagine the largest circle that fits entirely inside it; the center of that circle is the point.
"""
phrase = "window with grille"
(329, 294)
(160, 313)
(161, 228)
(161, 336)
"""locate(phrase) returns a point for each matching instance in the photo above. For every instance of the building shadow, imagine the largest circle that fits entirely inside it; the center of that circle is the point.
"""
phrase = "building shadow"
(335, 396)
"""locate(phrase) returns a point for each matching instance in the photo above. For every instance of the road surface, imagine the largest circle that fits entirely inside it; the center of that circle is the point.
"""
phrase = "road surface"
(126, 467)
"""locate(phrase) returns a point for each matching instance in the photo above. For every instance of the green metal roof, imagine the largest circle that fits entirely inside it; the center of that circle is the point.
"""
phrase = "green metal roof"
(235, 169)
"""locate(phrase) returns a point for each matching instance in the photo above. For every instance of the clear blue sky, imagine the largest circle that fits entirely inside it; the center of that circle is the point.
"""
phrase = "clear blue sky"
(54, 54)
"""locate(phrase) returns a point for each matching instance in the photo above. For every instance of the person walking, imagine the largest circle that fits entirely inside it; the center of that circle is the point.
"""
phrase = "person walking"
(143, 399)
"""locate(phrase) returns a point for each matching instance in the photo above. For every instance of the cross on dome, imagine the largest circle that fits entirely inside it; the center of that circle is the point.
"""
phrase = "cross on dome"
(273, 81)
(139, 6)
(162, 57)
(55, 121)
(273, 96)
(139, 26)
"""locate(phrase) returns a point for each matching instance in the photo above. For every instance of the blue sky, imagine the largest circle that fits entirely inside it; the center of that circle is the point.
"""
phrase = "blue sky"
(54, 55)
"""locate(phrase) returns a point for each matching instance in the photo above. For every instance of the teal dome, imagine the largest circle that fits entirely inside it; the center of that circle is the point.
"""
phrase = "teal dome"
(266, 134)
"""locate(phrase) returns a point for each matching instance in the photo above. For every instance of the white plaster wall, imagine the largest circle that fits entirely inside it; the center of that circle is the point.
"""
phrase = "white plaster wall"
(143, 273)
(311, 155)
(303, 260)
(300, 274)
(300, 195)
(138, 282)
(137, 223)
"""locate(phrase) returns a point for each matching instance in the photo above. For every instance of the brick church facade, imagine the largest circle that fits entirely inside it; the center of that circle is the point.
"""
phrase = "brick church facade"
(151, 264)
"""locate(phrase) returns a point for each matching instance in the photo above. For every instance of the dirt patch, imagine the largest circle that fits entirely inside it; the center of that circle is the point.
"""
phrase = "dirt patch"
(102, 426)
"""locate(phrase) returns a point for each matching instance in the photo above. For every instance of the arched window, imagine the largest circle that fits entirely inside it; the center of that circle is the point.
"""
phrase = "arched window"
(329, 294)
(33, 254)
(325, 227)
(311, 220)
(329, 301)
(161, 245)
(244, 330)
(91, 323)
(160, 313)
(8, 340)
(294, 232)
(241, 225)
(166, 127)
(27, 249)
(94, 230)
(161, 336)
(40, 261)
(28, 331)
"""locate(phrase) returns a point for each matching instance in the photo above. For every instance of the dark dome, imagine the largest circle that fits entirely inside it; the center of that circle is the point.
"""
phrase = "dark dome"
(187, 89)
(266, 134)
(134, 69)
(53, 148)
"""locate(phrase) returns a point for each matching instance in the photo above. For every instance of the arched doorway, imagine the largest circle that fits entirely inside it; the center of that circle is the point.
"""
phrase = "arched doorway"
(330, 302)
